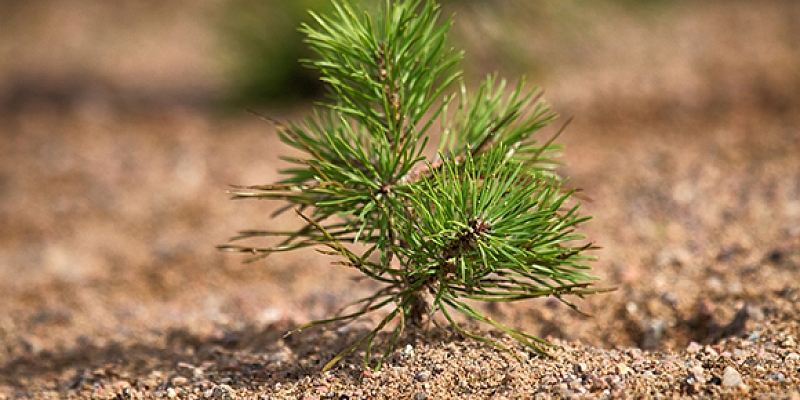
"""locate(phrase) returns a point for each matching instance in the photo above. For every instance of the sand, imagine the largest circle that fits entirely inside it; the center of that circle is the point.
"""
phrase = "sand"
(111, 286)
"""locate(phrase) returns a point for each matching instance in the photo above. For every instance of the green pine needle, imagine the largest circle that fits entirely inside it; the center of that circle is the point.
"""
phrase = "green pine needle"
(486, 220)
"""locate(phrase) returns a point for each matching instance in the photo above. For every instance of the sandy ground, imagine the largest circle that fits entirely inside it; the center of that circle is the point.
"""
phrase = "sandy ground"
(686, 145)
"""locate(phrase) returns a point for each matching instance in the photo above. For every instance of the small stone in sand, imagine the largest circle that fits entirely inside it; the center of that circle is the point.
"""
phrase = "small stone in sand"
(731, 377)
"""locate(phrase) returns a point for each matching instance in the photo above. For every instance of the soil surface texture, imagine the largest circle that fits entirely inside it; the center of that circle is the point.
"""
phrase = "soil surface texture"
(686, 148)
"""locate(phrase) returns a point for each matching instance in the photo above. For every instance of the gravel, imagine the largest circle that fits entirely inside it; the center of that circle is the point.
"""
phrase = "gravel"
(111, 288)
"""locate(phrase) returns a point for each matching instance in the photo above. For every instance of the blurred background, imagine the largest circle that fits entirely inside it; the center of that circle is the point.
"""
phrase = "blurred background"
(121, 123)
(245, 52)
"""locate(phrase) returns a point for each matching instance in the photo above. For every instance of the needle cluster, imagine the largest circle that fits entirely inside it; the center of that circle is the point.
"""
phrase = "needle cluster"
(485, 220)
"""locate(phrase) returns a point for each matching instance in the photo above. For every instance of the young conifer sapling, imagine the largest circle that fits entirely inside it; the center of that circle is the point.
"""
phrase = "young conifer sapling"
(485, 220)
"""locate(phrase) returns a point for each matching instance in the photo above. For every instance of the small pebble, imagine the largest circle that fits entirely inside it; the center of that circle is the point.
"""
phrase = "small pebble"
(696, 374)
(731, 377)
(622, 369)
(222, 392)
(776, 377)
(694, 347)
(579, 368)
(408, 351)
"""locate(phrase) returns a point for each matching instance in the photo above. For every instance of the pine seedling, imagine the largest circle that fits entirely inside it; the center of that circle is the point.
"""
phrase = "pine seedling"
(486, 220)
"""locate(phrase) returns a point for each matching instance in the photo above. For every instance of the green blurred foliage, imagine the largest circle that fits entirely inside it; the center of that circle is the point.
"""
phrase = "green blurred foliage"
(498, 35)
(262, 37)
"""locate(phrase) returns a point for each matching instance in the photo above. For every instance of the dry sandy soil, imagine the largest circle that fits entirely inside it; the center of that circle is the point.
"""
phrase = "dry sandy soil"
(686, 145)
